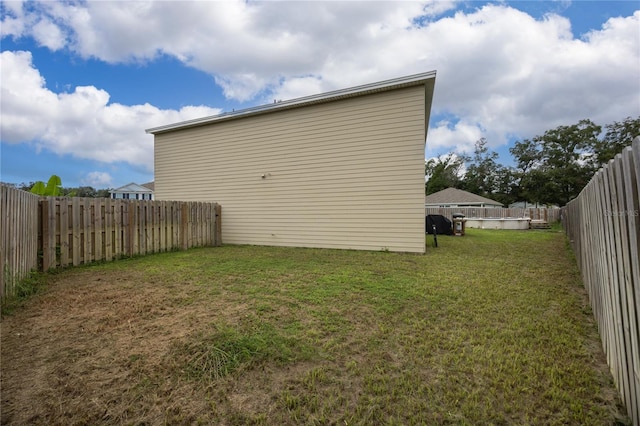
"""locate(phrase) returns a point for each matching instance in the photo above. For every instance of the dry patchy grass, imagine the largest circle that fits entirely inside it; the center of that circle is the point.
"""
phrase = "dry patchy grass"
(491, 328)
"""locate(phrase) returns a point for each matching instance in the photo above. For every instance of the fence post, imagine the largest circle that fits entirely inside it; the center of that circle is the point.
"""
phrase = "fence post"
(218, 231)
(48, 231)
(130, 231)
(184, 227)
(64, 232)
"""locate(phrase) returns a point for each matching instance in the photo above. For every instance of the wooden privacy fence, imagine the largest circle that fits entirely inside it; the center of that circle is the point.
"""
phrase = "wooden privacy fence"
(549, 215)
(603, 225)
(74, 231)
(19, 256)
(83, 230)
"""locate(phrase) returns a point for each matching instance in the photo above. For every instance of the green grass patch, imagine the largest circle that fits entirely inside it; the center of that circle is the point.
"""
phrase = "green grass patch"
(208, 356)
(490, 328)
(23, 290)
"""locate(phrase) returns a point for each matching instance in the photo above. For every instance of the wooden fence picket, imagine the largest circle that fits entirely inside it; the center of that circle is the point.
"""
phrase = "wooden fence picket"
(43, 233)
(18, 236)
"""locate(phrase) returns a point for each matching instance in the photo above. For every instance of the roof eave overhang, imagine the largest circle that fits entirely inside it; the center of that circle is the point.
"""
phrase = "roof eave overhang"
(427, 78)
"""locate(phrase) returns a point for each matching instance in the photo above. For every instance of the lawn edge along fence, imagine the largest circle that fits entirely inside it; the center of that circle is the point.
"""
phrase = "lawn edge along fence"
(43, 233)
(603, 225)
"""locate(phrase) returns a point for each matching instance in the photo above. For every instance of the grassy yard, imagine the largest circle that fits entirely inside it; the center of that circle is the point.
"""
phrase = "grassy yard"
(490, 328)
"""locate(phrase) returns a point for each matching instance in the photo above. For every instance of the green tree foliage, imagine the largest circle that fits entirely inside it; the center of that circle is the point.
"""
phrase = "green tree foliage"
(528, 158)
(549, 169)
(488, 178)
(553, 168)
(53, 188)
(87, 192)
(506, 188)
(617, 136)
(482, 170)
(443, 172)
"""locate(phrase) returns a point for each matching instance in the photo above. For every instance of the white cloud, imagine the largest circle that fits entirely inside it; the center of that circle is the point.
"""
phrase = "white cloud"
(98, 180)
(500, 71)
(83, 122)
(444, 136)
(49, 35)
(13, 22)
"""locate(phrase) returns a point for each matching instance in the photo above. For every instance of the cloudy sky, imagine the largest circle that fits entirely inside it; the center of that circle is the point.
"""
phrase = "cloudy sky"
(81, 81)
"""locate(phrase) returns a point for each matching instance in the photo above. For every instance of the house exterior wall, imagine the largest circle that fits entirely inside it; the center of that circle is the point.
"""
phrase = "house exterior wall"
(132, 195)
(344, 174)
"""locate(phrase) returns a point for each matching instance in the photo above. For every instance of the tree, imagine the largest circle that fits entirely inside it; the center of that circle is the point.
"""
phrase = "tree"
(83, 191)
(482, 170)
(617, 136)
(506, 189)
(443, 172)
(553, 168)
(87, 192)
(53, 188)
(528, 157)
(103, 193)
(568, 159)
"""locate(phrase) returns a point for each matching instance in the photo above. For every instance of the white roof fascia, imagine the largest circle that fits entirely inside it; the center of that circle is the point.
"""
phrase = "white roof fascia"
(411, 80)
(131, 187)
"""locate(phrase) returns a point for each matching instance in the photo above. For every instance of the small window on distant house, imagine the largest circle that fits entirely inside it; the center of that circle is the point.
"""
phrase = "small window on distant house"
(137, 196)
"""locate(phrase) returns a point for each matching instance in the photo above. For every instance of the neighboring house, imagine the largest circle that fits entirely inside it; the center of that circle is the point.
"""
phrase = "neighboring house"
(453, 197)
(149, 185)
(133, 191)
(343, 169)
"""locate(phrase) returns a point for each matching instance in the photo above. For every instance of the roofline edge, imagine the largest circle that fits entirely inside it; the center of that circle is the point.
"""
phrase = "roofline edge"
(405, 81)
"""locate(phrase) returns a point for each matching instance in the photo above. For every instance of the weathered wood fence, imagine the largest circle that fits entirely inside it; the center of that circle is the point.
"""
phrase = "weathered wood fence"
(84, 230)
(49, 232)
(549, 215)
(603, 225)
(19, 239)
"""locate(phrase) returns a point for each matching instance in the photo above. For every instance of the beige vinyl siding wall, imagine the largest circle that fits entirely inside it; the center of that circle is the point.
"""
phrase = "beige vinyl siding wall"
(343, 174)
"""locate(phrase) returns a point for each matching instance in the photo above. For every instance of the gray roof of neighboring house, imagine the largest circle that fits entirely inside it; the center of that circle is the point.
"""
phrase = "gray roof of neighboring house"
(149, 185)
(427, 78)
(459, 197)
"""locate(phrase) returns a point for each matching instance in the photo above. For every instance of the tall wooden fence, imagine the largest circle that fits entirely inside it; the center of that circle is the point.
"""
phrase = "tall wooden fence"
(49, 232)
(603, 225)
(19, 239)
(550, 215)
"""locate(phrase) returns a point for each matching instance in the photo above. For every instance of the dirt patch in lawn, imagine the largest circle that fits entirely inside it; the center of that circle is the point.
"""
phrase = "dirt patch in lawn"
(93, 348)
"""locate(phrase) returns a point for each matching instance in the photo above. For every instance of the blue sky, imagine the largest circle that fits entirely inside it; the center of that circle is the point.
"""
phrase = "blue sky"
(81, 81)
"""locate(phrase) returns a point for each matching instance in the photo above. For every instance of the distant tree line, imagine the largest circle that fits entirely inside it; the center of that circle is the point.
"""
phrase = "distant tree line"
(548, 169)
(80, 191)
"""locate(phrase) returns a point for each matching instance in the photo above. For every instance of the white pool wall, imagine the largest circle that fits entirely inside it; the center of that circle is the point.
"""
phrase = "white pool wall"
(497, 222)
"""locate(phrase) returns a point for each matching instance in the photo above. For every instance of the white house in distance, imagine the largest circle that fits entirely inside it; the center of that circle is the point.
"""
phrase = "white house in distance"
(343, 169)
(132, 191)
(453, 197)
